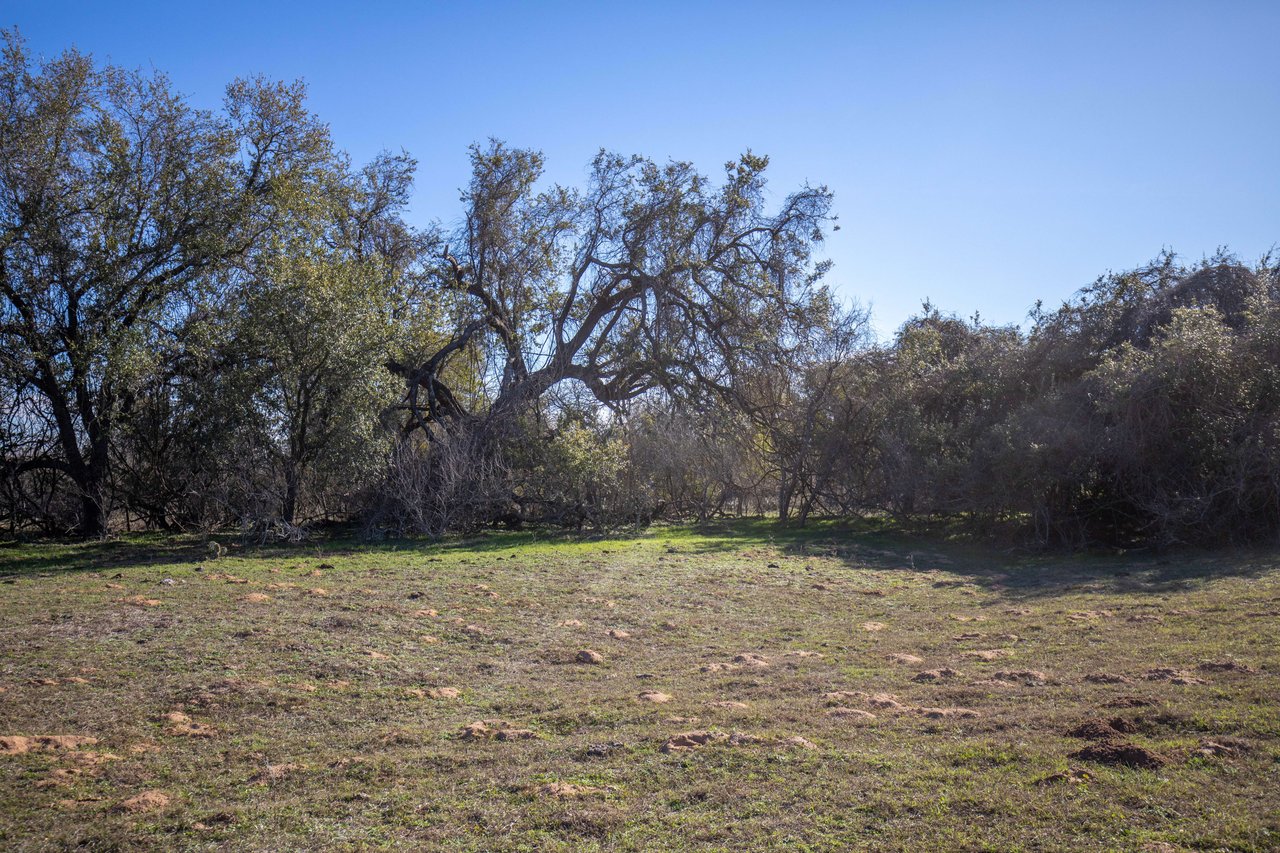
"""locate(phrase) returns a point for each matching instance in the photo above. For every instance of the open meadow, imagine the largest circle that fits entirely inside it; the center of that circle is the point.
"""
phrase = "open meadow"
(732, 688)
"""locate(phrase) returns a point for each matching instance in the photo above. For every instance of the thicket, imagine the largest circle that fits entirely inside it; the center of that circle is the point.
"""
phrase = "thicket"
(215, 320)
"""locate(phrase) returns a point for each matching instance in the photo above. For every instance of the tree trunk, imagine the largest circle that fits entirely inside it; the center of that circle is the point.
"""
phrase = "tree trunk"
(785, 491)
(292, 478)
(92, 482)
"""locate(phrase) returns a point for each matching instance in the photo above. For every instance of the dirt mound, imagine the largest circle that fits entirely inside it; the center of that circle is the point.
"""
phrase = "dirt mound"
(494, 729)
(1121, 753)
(1128, 702)
(948, 713)
(751, 660)
(655, 696)
(589, 656)
(1222, 746)
(517, 734)
(1107, 678)
(1070, 776)
(1171, 675)
(619, 634)
(728, 705)
(903, 658)
(1029, 677)
(686, 741)
(442, 693)
(988, 654)
(60, 777)
(799, 742)
(932, 675)
(886, 702)
(1089, 615)
(850, 713)
(256, 598)
(183, 726)
(743, 739)
(838, 696)
(19, 744)
(873, 626)
(1226, 666)
(565, 790)
(147, 801)
(1099, 729)
(274, 773)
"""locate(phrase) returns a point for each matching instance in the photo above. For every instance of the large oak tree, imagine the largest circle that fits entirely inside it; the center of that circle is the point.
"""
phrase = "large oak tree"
(117, 198)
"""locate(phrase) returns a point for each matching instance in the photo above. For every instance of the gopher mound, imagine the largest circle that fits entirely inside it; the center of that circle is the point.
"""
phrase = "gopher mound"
(1121, 753)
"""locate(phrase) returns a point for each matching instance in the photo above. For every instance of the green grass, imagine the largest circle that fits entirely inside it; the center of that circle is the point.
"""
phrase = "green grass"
(335, 684)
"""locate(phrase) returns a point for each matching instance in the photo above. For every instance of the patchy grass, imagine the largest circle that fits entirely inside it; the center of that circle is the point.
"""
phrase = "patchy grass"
(319, 697)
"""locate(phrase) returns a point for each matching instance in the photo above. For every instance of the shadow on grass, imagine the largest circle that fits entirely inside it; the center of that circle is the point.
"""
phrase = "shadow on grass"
(881, 544)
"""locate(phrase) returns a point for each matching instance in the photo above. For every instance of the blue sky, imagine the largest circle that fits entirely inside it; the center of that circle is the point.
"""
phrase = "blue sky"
(983, 155)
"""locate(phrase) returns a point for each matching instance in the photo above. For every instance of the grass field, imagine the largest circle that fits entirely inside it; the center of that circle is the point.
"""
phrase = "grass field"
(732, 689)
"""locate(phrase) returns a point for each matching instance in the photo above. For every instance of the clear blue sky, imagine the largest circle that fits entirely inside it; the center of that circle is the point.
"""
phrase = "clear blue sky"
(983, 155)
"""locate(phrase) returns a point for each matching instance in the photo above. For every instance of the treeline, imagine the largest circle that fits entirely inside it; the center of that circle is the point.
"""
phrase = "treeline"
(214, 320)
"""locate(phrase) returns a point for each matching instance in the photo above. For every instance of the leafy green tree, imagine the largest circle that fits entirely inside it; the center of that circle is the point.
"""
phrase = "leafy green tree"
(117, 201)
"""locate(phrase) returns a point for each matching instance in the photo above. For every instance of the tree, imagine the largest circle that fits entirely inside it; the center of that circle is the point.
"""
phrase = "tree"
(649, 278)
(117, 200)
